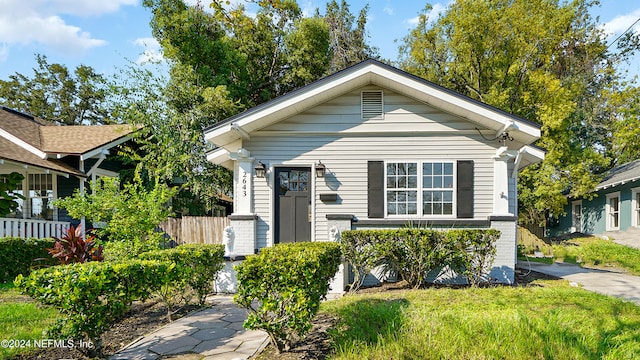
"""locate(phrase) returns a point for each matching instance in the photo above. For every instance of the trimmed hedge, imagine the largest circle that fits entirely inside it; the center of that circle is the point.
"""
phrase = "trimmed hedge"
(91, 296)
(201, 263)
(282, 287)
(17, 256)
(414, 253)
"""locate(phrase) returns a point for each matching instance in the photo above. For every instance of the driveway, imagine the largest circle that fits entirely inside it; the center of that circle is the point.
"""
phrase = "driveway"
(605, 282)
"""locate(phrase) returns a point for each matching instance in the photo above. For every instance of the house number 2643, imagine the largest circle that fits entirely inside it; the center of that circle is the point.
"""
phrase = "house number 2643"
(244, 184)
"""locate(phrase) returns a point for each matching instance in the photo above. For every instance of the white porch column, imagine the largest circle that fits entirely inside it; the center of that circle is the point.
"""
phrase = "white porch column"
(243, 220)
(501, 181)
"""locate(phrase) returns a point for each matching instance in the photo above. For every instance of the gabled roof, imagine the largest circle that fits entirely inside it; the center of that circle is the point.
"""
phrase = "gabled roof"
(371, 72)
(31, 141)
(621, 175)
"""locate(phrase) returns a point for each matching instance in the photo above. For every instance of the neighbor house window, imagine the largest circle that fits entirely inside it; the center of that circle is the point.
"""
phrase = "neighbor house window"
(19, 211)
(635, 207)
(613, 211)
(41, 196)
(424, 189)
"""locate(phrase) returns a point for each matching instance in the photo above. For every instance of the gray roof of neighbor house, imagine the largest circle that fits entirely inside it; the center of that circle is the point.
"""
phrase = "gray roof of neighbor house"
(33, 141)
(621, 175)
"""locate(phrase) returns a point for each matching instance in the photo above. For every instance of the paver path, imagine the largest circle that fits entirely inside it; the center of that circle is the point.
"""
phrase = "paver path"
(213, 333)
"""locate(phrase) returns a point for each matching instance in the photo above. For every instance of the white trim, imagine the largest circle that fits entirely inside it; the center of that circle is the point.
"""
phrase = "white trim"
(635, 207)
(23, 144)
(580, 226)
(610, 224)
(105, 147)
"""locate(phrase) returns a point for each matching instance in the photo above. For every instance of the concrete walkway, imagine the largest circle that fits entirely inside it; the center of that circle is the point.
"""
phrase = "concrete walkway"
(213, 333)
(601, 281)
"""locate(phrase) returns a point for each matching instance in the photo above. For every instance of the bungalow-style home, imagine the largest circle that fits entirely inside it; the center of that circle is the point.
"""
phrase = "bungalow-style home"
(54, 160)
(373, 147)
(616, 206)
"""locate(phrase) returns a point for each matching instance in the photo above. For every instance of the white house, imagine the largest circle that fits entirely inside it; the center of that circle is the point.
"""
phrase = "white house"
(373, 147)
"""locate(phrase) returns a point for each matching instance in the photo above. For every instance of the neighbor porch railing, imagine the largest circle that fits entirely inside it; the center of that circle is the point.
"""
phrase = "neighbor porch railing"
(31, 228)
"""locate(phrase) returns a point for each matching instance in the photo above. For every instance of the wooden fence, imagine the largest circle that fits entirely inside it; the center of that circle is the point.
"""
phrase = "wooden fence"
(195, 229)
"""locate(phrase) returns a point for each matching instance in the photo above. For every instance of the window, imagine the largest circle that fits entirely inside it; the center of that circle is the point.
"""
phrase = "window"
(424, 189)
(576, 219)
(41, 196)
(438, 179)
(635, 207)
(613, 211)
(19, 211)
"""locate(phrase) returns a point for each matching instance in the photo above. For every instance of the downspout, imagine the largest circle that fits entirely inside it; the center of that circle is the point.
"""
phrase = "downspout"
(82, 191)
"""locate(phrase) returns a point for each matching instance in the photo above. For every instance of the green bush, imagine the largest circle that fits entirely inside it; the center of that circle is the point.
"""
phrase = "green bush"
(282, 287)
(19, 256)
(361, 250)
(414, 253)
(91, 296)
(201, 263)
(474, 253)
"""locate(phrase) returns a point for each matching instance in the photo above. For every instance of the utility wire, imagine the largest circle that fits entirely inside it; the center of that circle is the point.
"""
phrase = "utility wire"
(624, 32)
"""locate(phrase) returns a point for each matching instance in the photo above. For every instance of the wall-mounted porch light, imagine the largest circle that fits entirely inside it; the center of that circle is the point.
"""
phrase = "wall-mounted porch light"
(320, 169)
(260, 169)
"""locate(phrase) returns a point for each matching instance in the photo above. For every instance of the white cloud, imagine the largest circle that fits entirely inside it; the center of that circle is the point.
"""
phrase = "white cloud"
(39, 22)
(388, 10)
(620, 23)
(152, 52)
(433, 15)
(4, 52)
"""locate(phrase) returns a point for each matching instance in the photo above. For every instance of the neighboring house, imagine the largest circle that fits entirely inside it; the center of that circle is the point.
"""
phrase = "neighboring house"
(616, 205)
(55, 161)
(373, 147)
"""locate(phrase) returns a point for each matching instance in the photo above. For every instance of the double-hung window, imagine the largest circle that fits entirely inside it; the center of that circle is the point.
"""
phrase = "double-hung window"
(41, 196)
(420, 189)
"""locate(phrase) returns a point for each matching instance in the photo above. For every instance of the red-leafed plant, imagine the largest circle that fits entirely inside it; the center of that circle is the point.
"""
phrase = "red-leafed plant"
(72, 248)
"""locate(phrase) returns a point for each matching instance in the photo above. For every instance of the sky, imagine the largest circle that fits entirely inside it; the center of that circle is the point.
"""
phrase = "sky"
(109, 34)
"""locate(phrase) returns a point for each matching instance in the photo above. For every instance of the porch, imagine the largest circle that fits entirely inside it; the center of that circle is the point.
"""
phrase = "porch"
(32, 228)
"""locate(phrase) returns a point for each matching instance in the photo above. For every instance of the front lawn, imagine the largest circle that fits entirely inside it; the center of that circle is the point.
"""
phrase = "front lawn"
(550, 322)
(596, 252)
(21, 319)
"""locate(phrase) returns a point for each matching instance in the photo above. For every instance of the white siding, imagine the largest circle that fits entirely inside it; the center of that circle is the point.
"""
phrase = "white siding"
(335, 134)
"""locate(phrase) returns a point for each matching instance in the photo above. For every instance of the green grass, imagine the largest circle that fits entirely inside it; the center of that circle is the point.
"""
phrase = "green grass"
(21, 319)
(550, 322)
(597, 252)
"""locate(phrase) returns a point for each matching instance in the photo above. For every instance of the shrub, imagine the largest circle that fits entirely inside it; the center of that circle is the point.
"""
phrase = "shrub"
(414, 253)
(361, 250)
(201, 263)
(474, 252)
(91, 296)
(18, 256)
(72, 248)
(282, 287)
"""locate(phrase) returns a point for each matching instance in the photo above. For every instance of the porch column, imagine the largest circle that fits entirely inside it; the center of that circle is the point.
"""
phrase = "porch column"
(501, 181)
(243, 220)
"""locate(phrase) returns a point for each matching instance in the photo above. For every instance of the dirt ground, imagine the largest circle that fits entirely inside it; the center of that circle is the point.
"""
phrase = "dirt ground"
(144, 318)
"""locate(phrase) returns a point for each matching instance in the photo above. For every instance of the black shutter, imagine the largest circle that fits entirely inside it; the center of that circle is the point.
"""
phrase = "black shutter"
(375, 189)
(465, 189)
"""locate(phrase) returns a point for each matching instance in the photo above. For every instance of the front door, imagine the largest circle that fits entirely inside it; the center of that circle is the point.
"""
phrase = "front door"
(292, 205)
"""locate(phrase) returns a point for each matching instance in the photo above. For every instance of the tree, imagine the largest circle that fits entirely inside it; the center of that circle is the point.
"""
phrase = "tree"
(9, 183)
(56, 94)
(348, 40)
(544, 60)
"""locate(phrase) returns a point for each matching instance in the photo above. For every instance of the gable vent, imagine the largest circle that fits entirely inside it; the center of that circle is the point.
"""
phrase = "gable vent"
(372, 105)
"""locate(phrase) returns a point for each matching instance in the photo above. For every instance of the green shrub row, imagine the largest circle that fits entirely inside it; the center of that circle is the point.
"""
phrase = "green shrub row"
(91, 296)
(414, 253)
(201, 263)
(19, 256)
(282, 287)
